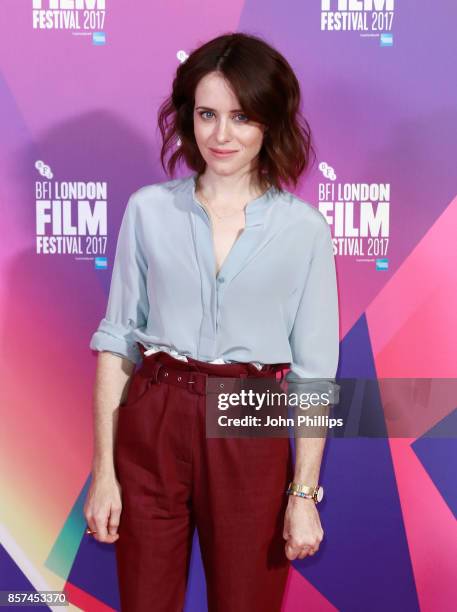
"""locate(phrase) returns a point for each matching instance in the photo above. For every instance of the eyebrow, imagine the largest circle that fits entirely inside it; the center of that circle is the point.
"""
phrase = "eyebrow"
(234, 110)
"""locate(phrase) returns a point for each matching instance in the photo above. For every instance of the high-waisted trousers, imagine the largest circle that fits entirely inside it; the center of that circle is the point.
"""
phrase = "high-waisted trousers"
(174, 479)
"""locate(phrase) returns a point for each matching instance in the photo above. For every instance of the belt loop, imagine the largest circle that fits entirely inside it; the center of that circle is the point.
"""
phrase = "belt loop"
(194, 383)
(157, 368)
(191, 382)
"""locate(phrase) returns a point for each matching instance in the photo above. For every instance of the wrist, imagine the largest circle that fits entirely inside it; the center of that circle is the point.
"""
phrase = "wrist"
(305, 477)
(102, 467)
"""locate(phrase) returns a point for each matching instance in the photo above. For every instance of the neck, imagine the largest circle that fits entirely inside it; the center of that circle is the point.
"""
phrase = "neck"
(229, 188)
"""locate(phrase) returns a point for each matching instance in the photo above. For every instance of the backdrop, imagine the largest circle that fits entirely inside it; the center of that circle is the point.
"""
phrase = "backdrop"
(80, 84)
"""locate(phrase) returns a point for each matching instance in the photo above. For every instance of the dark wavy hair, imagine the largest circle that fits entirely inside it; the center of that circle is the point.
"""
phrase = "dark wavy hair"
(268, 92)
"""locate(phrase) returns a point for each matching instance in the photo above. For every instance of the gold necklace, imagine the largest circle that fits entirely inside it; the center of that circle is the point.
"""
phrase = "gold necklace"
(205, 201)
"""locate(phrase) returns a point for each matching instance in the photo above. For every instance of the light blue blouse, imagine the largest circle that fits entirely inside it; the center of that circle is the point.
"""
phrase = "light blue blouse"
(274, 299)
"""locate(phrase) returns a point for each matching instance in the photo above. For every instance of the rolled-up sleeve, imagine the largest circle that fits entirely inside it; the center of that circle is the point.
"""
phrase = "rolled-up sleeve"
(314, 339)
(128, 306)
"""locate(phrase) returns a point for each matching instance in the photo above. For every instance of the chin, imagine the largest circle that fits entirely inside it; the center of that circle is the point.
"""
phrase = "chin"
(221, 168)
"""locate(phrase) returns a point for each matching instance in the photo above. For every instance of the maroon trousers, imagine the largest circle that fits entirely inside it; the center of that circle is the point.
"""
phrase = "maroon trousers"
(173, 479)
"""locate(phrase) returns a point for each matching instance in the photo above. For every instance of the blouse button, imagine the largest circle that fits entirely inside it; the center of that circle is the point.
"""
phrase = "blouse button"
(179, 378)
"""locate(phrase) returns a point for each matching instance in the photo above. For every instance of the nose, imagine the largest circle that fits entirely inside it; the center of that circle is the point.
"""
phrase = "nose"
(222, 133)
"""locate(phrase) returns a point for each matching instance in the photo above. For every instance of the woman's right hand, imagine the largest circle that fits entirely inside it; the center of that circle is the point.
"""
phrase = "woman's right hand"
(103, 508)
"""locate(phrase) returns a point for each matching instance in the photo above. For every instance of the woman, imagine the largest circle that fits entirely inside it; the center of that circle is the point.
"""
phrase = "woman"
(217, 276)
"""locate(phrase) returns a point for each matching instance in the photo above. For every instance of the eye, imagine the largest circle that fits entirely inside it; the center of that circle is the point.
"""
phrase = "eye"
(201, 113)
(204, 115)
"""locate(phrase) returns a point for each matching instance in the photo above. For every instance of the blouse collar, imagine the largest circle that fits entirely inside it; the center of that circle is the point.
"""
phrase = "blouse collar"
(255, 210)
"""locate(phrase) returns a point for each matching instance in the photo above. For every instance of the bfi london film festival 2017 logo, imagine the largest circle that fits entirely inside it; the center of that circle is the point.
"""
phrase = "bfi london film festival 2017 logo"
(360, 215)
(71, 217)
(372, 18)
(82, 17)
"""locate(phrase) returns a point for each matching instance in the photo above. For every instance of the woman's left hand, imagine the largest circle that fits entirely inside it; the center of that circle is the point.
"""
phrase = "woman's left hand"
(302, 528)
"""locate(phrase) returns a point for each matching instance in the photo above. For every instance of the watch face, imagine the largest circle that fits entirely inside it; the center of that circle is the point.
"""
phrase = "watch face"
(320, 494)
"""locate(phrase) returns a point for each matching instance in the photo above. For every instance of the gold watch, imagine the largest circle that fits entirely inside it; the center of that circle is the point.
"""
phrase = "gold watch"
(302, 490)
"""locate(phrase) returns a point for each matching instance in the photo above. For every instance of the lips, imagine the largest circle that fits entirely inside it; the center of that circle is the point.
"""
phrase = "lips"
(222, 152)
